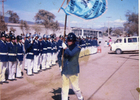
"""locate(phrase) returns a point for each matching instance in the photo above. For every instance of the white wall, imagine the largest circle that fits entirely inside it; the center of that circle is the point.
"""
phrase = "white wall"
(42, 32)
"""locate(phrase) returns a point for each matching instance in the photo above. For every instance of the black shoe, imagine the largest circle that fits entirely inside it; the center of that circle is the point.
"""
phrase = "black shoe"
(35, 72)
(39, 71)
(11, 79)
(22, 73)
(14, 79)
(5, 82)
(19, 77)
(31, 75)
(44, 69)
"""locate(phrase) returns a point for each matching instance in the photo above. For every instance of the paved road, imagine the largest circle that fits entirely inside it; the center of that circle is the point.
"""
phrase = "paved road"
(103, 76)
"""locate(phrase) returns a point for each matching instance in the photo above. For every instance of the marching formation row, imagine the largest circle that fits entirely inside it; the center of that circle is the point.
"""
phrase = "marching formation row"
(40, 53)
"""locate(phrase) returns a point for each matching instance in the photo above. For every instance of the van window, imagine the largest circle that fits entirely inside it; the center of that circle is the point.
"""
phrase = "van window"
(129, 40)
(132, 40)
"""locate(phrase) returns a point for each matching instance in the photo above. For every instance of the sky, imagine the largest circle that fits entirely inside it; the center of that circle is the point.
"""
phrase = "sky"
(116, 10)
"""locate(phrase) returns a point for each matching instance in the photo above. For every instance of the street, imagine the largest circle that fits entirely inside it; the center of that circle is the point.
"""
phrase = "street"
(103, 76)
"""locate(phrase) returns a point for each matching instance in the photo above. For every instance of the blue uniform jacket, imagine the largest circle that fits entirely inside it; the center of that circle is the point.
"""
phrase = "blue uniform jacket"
(54, 47)
(59, 44)
(71, 56)
(3, 51)
(30, 52)
(49, 47)
(40, 46)
(95, 43)
(82, 44)
(12, 52)
(89, 42)
(44, 47)
(27, 41)
(20, 52)
(36, 47)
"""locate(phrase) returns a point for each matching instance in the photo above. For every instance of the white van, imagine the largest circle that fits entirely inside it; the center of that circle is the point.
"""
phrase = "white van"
(125, 44)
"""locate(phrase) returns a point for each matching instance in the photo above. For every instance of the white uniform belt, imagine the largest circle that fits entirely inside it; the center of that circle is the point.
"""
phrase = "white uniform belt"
(36, 49)
(19, 53)
(44, 48)
(30, 53)
(3, 53)
(11, 54)
(49, 48)
(82, 45)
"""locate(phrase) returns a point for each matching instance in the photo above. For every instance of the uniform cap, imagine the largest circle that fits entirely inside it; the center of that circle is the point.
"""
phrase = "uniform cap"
(71, 37)
(44, 36)
(27, 35)
(13, 38)
(36, 35)
(40, 37)
(3, 34)
(7, 36)
(48, 36)
(19, 37)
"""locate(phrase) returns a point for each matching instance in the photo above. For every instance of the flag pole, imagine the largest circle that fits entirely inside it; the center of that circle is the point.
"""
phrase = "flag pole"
(64, 35)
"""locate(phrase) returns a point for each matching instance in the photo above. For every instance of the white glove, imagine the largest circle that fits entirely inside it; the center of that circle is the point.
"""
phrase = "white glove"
(64, 45)
(31, 41)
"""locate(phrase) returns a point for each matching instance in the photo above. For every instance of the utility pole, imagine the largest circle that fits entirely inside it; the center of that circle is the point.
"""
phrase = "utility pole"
(3, 7)
(108, 24)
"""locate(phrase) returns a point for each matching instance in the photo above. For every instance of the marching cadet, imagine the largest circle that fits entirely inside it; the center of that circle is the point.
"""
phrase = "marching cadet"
(3, 58)
(29, 57)
(7, 42)
(44, 52)
(70, 70)
(12, 57)
(54, 47)
(20, 55)
(40, 51)
(59, 43)
(82, 45)
(26, 43)
(91, 42)
(95, 44)
(36, 66)
(49, 51)
(87, 49)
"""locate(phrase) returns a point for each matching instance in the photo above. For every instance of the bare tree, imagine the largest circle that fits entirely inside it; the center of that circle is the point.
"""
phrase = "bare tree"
(24, 26)
(37, 28)
(55, 26)
(118, 31)
(14, 18)
(131, 26)
(46, 18)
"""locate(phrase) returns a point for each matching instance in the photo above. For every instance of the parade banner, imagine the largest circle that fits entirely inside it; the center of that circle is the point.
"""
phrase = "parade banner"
(86, 9)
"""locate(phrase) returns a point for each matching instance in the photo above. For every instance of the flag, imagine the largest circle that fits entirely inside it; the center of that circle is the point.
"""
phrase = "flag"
(86, 9)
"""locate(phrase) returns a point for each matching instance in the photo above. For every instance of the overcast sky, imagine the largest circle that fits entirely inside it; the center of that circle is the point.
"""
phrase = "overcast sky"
(116, 9)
